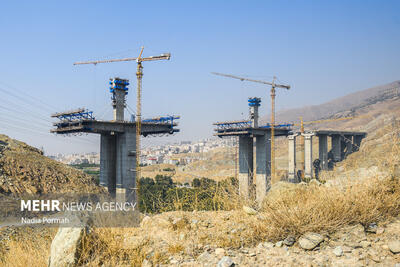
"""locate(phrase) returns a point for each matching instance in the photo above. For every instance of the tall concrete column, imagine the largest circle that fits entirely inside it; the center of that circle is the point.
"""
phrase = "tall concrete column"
(108, 162)
(337, 147)
(245, 165)
(263, 166)
(323, 151)
(308, 160)
(126, 167)
(348, 139)
(119, 104)
(254, 103)
(292, 158)
(357, 142)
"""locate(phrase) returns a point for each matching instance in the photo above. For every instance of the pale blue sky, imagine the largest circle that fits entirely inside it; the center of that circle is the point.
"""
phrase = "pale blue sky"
(322, 49)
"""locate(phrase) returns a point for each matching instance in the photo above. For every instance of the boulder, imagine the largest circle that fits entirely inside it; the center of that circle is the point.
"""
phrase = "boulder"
(289, 241)
(394, 246)
(226, 262)
(65, 245)
(338, 251)
(310, 240)
(219, 252)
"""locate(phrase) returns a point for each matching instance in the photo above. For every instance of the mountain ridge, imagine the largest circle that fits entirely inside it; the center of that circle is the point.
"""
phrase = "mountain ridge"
(337, 105)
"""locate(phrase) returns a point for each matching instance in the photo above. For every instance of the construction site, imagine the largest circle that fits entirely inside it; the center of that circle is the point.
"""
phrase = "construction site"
(200, 133)
(255, 162)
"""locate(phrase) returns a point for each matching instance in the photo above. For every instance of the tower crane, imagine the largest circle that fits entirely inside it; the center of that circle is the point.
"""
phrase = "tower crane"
(139, 75)
(273, 94)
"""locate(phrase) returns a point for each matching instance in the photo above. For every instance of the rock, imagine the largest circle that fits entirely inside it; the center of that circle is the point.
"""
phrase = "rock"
(146, 263)
(220, 252)
(279, 244)
(380, 230)
(310, 240)
(204, 257)
(365, 244)
(268, 244)
(249, 211)
(145, 220)
(173, 261)
(371, 228)
(289, 241)
(354, 245)
(226, 262)
(65, 246)
(338, 251)
(394, 247)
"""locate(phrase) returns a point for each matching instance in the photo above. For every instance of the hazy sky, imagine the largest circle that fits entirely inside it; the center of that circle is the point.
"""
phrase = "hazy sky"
(322, 49)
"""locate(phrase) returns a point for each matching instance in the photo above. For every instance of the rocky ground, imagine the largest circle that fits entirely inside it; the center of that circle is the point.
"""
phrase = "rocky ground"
(25, 170)
(351, 246)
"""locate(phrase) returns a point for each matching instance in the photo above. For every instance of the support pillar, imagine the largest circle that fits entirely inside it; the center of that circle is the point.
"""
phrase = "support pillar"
(245, 165)
(323, 151)
(108, 162)
(263, 166)
(357, 142)
(308, 160)
(292, 176)
(336, 147)
(348, 139)
(126, 167)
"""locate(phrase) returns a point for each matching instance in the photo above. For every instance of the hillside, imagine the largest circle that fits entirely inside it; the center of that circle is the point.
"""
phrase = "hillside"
(345, 103)
(24, 169)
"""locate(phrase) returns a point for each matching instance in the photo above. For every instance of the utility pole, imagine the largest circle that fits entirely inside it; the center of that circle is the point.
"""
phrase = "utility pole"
(139, 75)
(273, 94)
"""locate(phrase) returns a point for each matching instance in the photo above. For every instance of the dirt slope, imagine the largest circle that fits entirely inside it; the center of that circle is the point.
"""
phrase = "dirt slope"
(23, 169)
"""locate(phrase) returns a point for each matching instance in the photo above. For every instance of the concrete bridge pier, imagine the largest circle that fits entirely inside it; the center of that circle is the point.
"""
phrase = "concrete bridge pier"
(245, 165)
(118, 165)
(357, 142)
(323, 151)
(108, 162)
(337, 147)
(348, 139)
(126, 167)
(292, 176)
(308, 160)
(263, 166)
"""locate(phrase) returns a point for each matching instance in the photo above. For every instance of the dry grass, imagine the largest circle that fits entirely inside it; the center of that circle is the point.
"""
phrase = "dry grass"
(326, 209)
(27, 247)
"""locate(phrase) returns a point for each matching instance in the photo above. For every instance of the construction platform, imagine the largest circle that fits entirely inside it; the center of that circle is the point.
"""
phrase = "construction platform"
(107, 127)
(118, 152)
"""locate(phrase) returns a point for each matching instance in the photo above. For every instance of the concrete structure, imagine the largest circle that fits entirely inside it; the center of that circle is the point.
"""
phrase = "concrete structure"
(117, 141)
(292, 176)
(254, 151)
(343, 143)
(308, 160)
(245, 165)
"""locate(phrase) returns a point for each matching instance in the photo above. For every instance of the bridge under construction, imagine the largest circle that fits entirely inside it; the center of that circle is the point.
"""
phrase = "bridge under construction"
(118, 151)
(255, 155)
